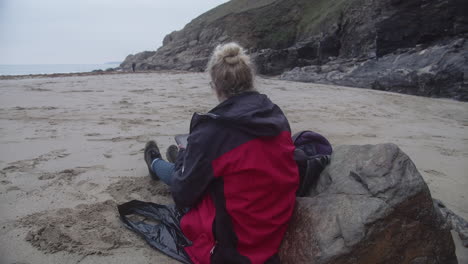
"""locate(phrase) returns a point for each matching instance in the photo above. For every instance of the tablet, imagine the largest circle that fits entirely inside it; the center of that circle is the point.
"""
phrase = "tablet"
(181, 140)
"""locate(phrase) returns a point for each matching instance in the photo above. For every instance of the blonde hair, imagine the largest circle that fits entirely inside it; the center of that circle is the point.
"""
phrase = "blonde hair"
(231, 70)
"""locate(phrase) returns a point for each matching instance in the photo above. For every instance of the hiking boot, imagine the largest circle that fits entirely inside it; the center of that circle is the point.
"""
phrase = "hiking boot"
(171, 153)
(152, 153)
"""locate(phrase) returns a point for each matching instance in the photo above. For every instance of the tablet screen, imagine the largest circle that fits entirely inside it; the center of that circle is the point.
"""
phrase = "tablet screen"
(182, 140)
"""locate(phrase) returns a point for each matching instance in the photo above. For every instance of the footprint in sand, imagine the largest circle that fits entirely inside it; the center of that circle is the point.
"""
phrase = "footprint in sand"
(92, 134)
(141, 91)
(61, 178)
(68, 175)
(13, 188)
(47, 176)
(140, 139)
(5, 182)
(39, 90)
(29, 164)
(88, 186)
(435, 173)
(448, 152)
(369, 135)
(136, 152)
(140, 188)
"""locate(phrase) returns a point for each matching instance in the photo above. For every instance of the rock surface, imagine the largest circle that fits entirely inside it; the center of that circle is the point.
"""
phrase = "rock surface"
(370, 205)
(285, 34)
(453, 221)
(438, 71)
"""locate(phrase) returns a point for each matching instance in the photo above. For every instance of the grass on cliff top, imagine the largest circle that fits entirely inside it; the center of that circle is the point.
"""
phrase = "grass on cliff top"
(317, 14)
(321, 13)
(233, 6)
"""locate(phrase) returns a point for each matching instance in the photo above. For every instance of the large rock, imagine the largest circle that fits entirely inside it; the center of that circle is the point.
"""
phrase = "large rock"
(370, 205)
(439, 70)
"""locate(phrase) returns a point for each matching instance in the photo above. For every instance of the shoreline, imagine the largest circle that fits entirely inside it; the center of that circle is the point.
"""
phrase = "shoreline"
(54, 75)
(75, 74)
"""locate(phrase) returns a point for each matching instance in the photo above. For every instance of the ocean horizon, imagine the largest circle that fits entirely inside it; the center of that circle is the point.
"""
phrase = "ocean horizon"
(26, 69)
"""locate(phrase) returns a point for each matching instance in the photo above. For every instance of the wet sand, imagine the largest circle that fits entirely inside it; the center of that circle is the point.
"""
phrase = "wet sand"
(71, 150)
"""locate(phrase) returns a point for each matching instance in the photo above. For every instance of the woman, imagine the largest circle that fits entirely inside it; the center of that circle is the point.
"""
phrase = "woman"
(237, 174)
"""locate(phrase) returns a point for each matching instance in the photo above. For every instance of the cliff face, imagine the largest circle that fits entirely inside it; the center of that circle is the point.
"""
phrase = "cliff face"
(285, 34)
(254, 24)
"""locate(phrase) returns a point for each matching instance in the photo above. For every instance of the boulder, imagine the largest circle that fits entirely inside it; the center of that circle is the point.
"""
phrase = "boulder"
(370, 205)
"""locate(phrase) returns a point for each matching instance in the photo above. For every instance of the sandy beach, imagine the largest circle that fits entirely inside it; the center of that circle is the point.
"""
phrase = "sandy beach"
(72, 149)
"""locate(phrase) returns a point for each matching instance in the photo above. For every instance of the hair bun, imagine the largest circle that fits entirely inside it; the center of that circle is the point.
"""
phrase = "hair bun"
(232, 60)
(230, 54)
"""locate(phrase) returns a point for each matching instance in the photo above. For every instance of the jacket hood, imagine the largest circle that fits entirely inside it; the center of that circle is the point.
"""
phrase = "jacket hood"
(250, 112)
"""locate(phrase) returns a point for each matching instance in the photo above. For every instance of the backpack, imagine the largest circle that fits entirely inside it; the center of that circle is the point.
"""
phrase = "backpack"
(312, 155)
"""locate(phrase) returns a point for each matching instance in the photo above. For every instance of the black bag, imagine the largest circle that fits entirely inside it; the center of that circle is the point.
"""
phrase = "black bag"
(312, 155)
(165, 236)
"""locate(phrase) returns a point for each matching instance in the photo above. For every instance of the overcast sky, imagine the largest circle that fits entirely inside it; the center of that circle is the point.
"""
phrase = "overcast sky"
(89, 31)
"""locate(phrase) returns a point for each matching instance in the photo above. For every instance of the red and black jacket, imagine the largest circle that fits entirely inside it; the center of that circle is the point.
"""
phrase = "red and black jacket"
(238, 177)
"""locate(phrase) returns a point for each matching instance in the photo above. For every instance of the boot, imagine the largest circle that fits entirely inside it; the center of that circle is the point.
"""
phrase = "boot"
(152, 153)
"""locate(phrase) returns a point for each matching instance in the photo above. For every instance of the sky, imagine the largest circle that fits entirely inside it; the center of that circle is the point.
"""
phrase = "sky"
(89, 31)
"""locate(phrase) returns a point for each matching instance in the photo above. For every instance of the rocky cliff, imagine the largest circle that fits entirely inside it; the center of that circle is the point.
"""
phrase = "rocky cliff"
(414, 46)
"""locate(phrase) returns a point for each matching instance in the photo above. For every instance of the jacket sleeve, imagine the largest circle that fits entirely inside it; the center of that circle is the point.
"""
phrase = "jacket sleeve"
(193, 170)
(180, 159)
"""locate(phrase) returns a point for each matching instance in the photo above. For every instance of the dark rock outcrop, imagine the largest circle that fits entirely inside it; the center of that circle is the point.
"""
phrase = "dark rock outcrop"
(137, 59)
(370, 205)
(285, 34)
(438, 71)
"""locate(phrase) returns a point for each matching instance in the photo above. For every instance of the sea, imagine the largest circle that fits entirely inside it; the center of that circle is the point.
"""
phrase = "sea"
(25, 69)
